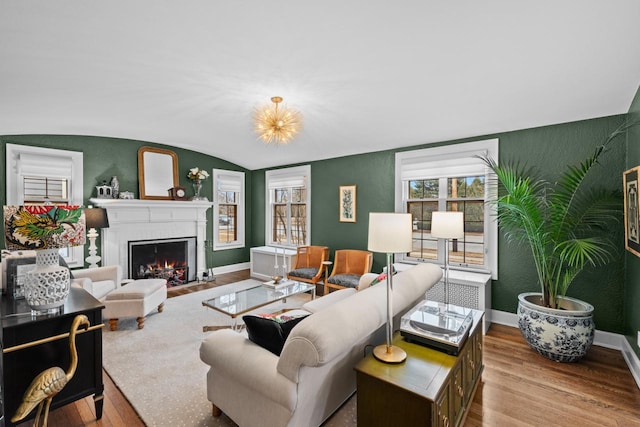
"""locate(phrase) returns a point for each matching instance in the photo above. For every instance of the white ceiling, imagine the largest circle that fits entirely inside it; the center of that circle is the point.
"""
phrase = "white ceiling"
(367, 75)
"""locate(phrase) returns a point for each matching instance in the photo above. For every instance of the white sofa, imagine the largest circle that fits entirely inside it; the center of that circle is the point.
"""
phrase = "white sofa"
(314, 374)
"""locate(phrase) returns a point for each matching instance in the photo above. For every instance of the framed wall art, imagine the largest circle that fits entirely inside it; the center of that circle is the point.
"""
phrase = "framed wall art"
(347, 203)
(631, 210)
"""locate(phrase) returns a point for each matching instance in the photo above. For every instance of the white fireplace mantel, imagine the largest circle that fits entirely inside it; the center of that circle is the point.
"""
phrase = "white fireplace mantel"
(131, 220)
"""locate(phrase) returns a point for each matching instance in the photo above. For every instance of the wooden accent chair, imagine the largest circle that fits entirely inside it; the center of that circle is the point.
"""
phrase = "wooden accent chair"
(348, 266)
(309, 267)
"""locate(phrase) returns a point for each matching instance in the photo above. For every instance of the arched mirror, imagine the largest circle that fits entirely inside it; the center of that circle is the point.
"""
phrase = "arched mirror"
(157, 172)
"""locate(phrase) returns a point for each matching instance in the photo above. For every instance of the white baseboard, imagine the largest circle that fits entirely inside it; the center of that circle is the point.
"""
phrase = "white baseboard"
(632, 360)
(504, 318)
(601, 338)
(608, 340)
(231, 268)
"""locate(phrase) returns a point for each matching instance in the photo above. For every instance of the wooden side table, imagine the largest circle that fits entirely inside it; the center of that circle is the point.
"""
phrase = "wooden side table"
(431, 388)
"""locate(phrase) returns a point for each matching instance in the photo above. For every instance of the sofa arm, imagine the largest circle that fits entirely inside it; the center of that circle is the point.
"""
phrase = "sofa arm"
(84, 283)
(232, 355)
(98, 274)
(366, 279)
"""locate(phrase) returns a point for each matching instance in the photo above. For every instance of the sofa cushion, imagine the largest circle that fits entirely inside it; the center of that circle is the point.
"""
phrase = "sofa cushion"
(318, 304)
(101, 288)
(365, 280)
(305, 273)
(269, 333)
(139, 289)
(346, 280)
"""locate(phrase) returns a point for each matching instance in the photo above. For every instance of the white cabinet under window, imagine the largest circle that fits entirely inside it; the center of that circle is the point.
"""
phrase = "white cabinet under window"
(466, 289)
(265, 258)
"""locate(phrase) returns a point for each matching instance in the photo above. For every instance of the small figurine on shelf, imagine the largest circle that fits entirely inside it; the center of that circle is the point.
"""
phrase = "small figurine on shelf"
(104, 191)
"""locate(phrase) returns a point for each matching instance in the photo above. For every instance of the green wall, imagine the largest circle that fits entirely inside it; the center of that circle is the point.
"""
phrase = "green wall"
(632, 271)
(548, 148)
(106, 157)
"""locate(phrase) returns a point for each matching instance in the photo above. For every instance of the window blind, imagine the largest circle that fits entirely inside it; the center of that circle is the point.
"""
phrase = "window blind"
(286, 181)
(231, 183)
(441, 166)
(36, 165)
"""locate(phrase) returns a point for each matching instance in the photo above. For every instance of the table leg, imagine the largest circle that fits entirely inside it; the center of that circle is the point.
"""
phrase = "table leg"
(98, 401)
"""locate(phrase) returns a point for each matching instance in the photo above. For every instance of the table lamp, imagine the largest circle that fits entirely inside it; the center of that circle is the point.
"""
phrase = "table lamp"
(441, 325)
(45, 229)
(390, 233)
(96, 218)
(447, 225)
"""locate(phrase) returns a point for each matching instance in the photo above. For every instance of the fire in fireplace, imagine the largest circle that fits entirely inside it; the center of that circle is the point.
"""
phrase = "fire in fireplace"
(170, 259)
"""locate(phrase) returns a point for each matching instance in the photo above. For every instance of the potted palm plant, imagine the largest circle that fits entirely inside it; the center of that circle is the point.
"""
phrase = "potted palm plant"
(565, 225)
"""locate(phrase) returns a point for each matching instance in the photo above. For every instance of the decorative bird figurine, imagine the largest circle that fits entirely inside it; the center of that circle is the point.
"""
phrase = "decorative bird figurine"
(50, 382)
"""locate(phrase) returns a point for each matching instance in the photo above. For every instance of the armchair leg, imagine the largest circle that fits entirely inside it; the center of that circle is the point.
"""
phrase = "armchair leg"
(215, 411)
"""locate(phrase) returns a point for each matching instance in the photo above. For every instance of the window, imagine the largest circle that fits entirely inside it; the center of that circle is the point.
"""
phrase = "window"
(449, 178)
(228, 212)
(36, 175)
(41, 189)
(288, 208)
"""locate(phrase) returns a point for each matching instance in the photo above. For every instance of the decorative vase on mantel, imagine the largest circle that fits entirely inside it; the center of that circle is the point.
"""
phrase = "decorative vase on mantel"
(197, 187)
(115, 187)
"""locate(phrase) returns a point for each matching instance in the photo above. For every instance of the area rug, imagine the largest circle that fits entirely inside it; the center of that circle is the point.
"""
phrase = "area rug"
(158, 368)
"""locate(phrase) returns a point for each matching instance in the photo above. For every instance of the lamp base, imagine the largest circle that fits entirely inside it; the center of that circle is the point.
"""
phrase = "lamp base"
(389, 354)
(47, 286)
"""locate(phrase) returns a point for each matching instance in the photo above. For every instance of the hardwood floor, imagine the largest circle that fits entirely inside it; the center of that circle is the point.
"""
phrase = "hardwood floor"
(518, 387)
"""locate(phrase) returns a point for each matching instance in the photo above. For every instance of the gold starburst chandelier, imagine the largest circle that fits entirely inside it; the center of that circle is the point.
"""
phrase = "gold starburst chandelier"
(277, 125)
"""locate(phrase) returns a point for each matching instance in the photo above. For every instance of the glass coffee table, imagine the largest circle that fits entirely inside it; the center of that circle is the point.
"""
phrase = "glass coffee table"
(237, 303)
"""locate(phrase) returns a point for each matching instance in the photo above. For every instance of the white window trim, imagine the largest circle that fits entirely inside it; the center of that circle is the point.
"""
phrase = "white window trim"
(445, 153)
(240, 225)
(76, 196)
(282, 174)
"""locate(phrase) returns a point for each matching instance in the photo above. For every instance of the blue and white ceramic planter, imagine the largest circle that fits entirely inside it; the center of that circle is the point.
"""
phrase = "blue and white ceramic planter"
(563, 335)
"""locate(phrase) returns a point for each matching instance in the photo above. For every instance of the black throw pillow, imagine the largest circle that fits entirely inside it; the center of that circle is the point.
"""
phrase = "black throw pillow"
(268, 333)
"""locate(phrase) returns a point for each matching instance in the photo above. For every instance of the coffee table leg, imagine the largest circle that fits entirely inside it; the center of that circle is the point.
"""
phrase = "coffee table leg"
(234, 326)
(214, 328)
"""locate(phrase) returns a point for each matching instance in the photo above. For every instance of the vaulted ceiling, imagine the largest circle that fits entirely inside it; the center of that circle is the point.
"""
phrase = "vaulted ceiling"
(367, 75)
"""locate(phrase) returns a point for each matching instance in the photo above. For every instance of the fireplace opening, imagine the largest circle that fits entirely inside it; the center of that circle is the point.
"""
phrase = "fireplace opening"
(170, 259)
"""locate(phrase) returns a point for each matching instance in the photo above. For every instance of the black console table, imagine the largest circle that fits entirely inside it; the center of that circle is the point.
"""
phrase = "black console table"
(35, 343)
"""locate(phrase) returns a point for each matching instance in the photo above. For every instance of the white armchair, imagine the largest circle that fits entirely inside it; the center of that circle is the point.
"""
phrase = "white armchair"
(98, 281)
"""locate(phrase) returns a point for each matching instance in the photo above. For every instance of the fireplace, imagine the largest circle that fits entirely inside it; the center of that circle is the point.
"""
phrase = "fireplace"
(170, 259)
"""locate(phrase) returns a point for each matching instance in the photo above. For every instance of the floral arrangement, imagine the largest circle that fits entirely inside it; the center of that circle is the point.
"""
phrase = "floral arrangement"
(197, 174)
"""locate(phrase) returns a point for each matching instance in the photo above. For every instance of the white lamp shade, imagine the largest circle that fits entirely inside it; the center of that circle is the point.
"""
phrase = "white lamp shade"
(390, 232)
(447, 225)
